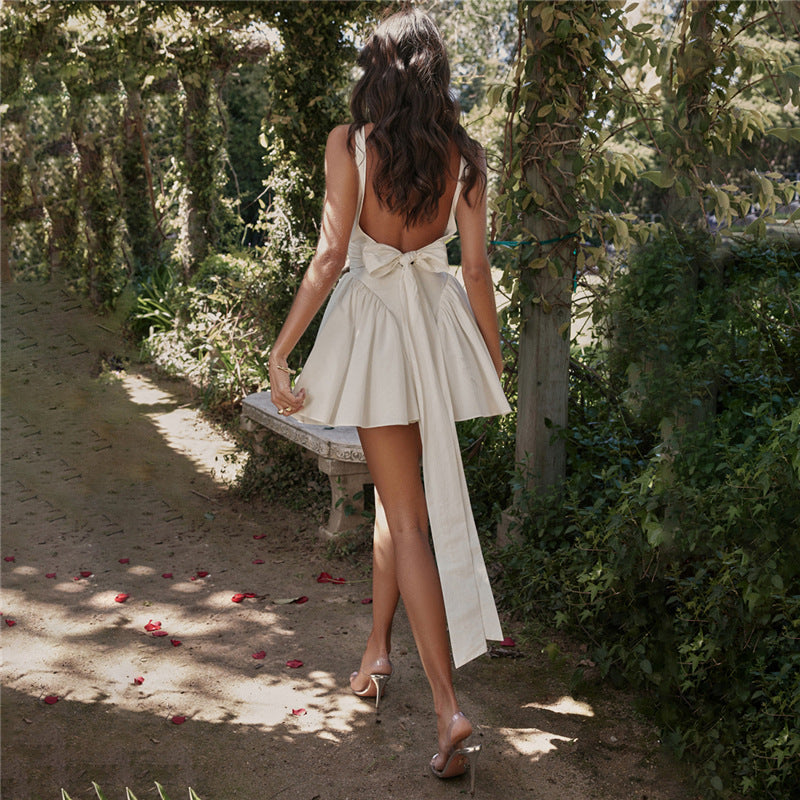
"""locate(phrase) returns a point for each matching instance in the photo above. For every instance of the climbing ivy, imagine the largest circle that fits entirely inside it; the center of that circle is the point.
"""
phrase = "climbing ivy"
(308, 84)
(573, 104)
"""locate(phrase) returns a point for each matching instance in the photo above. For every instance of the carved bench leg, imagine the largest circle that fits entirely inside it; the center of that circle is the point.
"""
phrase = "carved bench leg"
(259, 433)
(347, 479)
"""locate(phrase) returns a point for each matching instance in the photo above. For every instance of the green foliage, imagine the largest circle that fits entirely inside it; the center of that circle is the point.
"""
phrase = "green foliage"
(485, 445)
(308, 82)
(279, 471)
(246, 98)
(129, 795)
(678, 558)
(208, 331)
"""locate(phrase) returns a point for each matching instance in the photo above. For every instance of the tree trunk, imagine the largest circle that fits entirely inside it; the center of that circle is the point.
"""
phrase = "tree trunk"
(544, 382)
(98, 202)
(9, 179)
(138, 197)
(197, 232)
(546, 281)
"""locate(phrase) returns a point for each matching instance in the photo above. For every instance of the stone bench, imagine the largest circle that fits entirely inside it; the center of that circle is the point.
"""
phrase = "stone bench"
(339, 453)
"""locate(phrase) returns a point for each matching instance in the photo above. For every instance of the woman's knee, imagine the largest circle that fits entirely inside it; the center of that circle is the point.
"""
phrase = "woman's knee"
(409, 535)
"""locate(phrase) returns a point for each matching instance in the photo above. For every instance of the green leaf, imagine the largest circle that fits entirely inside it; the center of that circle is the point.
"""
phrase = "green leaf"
(662, 178)
(98, 791)
(546, 17)
(784, 134)
(161, 792)
(495, 94)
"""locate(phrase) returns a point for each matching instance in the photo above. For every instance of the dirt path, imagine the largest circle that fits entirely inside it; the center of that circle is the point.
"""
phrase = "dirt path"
(113, 475)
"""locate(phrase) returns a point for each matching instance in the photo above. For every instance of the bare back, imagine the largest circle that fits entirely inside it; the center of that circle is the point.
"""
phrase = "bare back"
(389, 228)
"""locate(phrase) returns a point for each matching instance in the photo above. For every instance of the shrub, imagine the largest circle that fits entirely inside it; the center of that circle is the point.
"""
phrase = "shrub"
(212, 331)
(674, 547)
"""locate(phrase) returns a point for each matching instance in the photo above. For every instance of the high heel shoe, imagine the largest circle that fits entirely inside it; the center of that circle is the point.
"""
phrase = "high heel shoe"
(376, 679)
(379, 680)
(460, 758)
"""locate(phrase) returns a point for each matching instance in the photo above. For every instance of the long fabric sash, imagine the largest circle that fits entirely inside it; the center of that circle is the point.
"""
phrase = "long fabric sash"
(469, 604)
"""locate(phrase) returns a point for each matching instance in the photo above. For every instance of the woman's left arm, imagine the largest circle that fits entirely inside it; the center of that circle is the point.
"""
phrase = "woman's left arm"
(338, 216)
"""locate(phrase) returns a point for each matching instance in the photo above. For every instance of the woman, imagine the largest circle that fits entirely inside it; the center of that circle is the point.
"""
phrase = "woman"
(403, 352)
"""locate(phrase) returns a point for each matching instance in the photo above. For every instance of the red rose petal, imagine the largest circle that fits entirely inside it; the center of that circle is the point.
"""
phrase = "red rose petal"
(121, 598)
(124, 561)
(258, 561)
(11, 623)
(51, 699)
(508, 642)
(366, 601)
(299, 712)
(153, 625)
(86, 573)
(294, 663)
(178, 720)
(259, 535)
(201, 573)
(237, 598)
(175, 642)
(260, 654)
(301, 600)
(250, 594)
(138, 681)
(160, 633)
(324, 577)
(193, 578)
(166, 574)
(50, 575)
(10, 558)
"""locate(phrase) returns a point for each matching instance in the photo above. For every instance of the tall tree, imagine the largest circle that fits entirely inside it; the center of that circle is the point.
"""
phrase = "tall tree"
(559, 82)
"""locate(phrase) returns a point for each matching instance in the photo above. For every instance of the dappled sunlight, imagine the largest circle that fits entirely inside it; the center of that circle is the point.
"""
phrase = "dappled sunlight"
(141, 570)
(565, 705)
(186, 587)
(213, 454)
(531, 742)
(27, 571)
(69, 587)
(193, 670)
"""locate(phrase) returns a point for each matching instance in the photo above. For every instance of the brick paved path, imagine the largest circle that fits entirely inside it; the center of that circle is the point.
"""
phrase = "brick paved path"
(113, 474)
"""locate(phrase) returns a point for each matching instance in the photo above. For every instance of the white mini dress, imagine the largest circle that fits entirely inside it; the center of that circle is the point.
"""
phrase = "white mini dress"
(398, 343)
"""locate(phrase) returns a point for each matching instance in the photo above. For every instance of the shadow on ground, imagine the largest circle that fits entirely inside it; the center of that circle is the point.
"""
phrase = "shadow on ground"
(111, 481)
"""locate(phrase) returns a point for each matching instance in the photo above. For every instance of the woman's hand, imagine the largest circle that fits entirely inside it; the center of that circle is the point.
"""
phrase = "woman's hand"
(280, 381)
(338, 216)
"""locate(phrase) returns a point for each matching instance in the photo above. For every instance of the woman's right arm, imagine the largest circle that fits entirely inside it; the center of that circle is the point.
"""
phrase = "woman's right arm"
(476, 271)
(338, 216)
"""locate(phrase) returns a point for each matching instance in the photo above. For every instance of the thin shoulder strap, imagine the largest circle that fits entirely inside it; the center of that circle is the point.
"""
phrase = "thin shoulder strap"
(359, 142)
(459, 186)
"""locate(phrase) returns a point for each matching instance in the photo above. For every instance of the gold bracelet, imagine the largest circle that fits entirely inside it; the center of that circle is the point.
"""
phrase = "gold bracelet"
(285, 369)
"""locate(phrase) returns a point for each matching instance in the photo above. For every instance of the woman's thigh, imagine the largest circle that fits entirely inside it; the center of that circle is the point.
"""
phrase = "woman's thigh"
(393, 454)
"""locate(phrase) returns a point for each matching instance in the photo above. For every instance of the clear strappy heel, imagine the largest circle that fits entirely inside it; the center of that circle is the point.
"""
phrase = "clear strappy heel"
(378, 680)
(460, 759)
(378, 677)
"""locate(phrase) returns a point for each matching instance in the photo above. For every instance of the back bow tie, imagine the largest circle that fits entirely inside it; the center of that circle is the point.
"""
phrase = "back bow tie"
(383, 259)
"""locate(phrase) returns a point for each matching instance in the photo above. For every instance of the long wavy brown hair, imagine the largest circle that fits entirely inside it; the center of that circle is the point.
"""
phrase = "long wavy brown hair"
(405, 93)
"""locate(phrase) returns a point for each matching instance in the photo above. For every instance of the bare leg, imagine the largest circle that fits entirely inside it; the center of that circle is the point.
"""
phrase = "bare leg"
(393, 454)
(385, 594)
